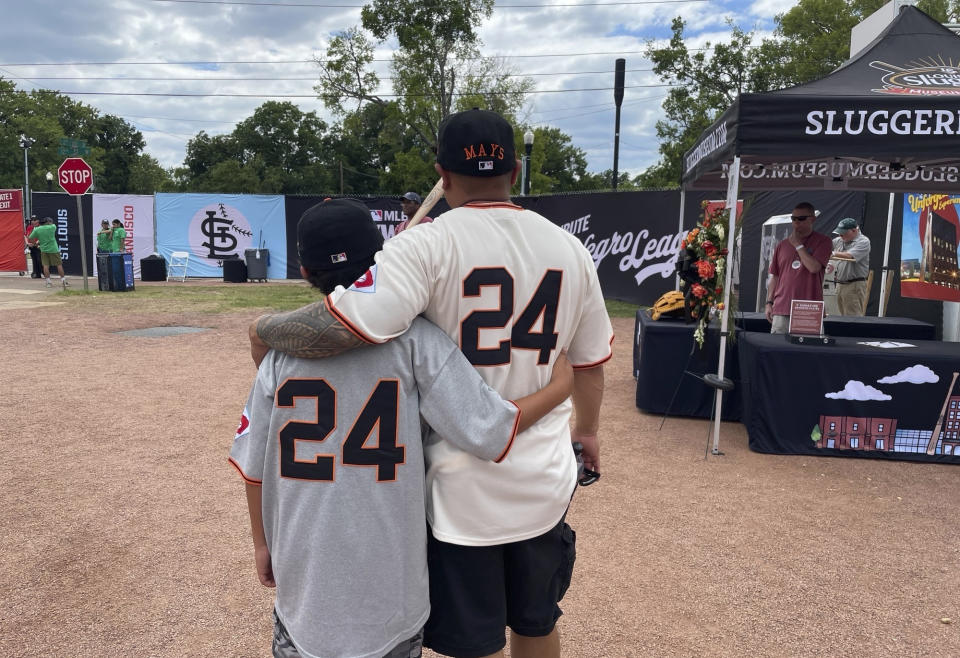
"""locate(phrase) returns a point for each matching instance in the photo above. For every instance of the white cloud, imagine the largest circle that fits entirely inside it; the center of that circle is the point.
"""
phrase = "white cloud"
(857, 390)
(138, 31)
(918, 374)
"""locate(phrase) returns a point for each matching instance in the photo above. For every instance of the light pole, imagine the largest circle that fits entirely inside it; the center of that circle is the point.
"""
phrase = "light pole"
(25, 144)
(49, 181)
(528, 147)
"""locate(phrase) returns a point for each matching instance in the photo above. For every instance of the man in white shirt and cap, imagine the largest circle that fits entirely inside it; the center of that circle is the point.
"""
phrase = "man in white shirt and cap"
(852, 249)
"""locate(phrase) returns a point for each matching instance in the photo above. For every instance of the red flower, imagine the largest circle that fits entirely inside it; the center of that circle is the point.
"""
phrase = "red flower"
(699, 291)
(724, 252)
(709, 248)
(705, 269)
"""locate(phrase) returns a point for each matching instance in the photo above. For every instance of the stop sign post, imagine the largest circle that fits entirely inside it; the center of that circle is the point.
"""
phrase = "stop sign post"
(76, 177)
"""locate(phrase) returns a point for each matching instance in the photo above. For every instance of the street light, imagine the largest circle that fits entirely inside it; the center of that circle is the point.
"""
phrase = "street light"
(25, 144)
(49, 181)
(528, 147)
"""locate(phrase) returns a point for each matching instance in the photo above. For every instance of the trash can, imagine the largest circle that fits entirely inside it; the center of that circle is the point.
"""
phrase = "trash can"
(257, 262)
(103, 272)
(153, 268)
(127, 278)
(115, 272)
(234, 270)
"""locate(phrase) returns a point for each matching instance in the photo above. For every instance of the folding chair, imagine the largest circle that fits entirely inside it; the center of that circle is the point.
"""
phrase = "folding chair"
(178, 261)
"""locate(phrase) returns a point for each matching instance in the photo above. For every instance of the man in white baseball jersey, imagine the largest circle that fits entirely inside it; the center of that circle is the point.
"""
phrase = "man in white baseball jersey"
(332, 455)
(513, 290)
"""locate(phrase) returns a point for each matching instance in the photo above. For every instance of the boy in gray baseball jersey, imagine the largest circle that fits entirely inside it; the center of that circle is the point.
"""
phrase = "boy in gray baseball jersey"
(332, 457)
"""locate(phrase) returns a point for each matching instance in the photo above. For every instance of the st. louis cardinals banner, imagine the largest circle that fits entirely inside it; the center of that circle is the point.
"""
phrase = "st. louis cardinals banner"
(928, 249)
(214, 227)
(12, 258)
(62, 209)
(135, 213)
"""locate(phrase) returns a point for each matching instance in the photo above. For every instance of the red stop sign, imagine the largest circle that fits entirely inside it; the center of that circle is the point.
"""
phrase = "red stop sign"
(75, 176)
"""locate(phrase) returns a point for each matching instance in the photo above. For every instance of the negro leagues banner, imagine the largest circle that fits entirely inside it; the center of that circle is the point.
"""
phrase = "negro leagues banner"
(928, 247)
(215, 227)
(62, 209)
(633, 237)
(135, 212)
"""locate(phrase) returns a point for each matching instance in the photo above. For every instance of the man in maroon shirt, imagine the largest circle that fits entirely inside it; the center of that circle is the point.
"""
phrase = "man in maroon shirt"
(797, 268)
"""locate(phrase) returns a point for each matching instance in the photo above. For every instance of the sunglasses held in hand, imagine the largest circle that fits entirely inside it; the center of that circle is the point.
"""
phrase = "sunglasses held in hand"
(585, 476)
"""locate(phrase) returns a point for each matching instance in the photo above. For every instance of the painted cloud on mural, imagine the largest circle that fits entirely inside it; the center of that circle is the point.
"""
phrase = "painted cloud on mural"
(857, 390)
(918, 374)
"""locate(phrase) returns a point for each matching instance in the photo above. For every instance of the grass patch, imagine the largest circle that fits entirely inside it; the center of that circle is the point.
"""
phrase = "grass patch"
(195, 299)
(617, 309)
(172, 298)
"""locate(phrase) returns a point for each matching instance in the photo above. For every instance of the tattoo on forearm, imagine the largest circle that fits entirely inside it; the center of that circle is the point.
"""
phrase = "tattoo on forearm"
(310, 332)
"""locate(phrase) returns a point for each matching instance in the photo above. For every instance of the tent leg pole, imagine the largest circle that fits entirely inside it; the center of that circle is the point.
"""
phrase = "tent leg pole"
(683, 200)
(733, 187)
(882, 311)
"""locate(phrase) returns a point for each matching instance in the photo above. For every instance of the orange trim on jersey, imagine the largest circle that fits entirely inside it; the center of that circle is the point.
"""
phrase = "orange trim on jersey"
(587, 366)
(246, 478)
(513, 435)
(492, 204)
(342, 319)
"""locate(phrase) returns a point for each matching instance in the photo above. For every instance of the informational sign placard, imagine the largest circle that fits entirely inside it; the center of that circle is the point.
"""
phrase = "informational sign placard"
(806, 317)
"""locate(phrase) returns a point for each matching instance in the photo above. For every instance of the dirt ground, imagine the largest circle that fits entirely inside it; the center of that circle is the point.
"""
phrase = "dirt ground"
(123, 529)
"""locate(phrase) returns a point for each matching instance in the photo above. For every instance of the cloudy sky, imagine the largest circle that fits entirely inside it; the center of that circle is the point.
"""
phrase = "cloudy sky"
(122, 56)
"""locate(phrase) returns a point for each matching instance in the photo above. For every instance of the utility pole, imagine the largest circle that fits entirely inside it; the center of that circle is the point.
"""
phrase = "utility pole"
(618, 99)
(25, 144)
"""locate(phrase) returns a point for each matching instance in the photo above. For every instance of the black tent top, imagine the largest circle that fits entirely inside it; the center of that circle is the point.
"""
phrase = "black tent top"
(887, 119)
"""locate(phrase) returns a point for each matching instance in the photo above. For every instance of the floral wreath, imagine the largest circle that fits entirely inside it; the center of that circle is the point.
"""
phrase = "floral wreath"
(704, 270)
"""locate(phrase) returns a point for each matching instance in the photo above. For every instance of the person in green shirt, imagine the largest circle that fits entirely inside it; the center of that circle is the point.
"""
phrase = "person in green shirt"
(119, 236)
(45, 237)
(104, 239)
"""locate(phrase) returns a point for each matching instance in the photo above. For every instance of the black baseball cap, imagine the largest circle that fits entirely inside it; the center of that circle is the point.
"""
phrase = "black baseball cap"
(412, 196)
(476, 143)
(336, 233)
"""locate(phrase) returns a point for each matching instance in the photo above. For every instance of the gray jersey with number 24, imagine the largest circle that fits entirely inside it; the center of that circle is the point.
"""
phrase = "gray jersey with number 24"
(336, 444)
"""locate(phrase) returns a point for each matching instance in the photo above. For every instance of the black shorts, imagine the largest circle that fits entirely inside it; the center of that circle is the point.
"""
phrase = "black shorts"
(477, 591)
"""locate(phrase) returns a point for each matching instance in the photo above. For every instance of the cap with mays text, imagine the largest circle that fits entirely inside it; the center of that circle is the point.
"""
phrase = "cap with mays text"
(336, 233)
(846, 224)
(476, 143)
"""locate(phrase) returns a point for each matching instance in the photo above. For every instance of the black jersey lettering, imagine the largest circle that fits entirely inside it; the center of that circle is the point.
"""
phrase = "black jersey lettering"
(543, 304)
(380, 413)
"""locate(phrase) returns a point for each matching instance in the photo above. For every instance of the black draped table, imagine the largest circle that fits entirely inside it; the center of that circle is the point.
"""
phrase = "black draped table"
(668, 364)
(852, 398)
(842, 325)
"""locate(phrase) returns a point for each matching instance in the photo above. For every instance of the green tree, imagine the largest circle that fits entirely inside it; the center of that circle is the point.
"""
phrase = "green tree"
(437, 69)
(277, 150)
(810, 40)
(148, 177)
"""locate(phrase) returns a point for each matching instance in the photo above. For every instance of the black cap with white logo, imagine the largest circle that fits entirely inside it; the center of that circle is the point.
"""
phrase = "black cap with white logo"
(335, 234)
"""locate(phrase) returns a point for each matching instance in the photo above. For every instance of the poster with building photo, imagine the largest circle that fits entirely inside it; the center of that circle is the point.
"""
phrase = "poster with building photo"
(928, 255)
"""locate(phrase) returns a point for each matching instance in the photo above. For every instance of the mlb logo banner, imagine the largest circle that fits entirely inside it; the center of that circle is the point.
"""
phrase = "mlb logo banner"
(217, 227)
